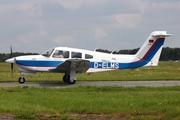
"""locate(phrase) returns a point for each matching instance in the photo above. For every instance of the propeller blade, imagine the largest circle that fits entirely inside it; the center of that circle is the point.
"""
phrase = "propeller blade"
(12, 65)
(11, 50)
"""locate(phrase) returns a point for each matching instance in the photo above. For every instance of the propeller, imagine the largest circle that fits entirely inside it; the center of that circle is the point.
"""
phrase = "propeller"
(11, 55)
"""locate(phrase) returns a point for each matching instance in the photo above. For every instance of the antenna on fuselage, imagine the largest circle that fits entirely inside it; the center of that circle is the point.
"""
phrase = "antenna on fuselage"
(96, 48)
(112, 51)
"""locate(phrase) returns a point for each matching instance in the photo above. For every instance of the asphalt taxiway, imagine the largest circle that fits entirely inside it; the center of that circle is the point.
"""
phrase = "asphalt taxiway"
(93, 83)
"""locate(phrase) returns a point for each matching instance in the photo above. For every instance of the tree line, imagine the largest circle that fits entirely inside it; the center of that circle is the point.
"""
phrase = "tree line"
(166, 55)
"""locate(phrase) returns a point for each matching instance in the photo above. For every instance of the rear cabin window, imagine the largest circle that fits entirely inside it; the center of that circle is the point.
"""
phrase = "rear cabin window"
(76, 55)
(87, 56)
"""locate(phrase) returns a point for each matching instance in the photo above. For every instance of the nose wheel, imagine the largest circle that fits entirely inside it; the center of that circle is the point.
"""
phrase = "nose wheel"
(21, 80)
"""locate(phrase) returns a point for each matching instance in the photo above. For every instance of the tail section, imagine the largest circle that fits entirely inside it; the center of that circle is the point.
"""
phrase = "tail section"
(152, 47)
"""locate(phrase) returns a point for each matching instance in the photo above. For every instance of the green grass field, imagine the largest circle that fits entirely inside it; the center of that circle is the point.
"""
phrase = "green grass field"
(128, 103)
(134, 103)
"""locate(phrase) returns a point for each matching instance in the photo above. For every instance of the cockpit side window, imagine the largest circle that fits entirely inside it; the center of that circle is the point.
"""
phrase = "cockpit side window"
(76, 55)
(61, 54)
(87, 56)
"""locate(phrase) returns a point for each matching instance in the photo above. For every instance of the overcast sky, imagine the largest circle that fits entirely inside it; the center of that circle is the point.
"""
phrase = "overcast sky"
(37, 25)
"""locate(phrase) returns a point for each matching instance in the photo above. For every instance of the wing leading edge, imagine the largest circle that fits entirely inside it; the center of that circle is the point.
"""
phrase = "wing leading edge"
(78, 65)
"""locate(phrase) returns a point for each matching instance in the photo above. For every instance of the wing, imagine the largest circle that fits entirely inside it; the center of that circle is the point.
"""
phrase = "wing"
(78, 65)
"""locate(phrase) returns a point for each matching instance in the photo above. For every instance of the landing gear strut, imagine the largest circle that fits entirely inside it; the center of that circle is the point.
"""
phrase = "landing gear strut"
(21, 80)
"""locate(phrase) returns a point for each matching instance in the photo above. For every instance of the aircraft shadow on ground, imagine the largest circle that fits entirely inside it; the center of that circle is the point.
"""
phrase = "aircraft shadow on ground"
(54, 84)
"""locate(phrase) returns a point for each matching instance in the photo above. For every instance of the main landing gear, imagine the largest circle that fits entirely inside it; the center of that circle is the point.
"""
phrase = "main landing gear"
(67, 79)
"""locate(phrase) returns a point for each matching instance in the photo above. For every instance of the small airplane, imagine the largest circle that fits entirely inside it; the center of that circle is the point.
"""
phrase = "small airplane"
(71, 61)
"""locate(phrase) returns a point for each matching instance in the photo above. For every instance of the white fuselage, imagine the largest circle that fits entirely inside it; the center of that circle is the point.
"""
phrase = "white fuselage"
(98, 61)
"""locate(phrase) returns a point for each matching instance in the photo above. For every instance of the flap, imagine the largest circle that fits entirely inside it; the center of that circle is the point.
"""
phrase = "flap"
(78, 65)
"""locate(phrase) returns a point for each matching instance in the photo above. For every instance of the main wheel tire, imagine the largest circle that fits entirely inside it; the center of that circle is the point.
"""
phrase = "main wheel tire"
(21, 80)
(66, 78)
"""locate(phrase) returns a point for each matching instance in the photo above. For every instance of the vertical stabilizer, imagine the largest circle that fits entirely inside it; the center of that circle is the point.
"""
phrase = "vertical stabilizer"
(152, 47)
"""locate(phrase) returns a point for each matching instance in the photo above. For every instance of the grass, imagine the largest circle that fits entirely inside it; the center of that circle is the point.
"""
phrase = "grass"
(128, 103)
(137, 102)
(165, 71)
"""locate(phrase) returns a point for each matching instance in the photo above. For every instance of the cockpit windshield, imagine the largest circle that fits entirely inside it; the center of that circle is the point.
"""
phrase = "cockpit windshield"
(48, 52)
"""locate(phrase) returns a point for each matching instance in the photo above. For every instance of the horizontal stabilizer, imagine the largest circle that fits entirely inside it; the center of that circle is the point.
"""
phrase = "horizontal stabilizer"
(160, 34)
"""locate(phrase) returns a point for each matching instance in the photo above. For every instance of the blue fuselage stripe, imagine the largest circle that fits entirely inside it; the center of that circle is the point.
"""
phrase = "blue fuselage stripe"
(36, 63)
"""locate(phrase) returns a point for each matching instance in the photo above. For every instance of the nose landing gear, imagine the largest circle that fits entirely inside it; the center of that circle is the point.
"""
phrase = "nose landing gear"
(21, 80)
